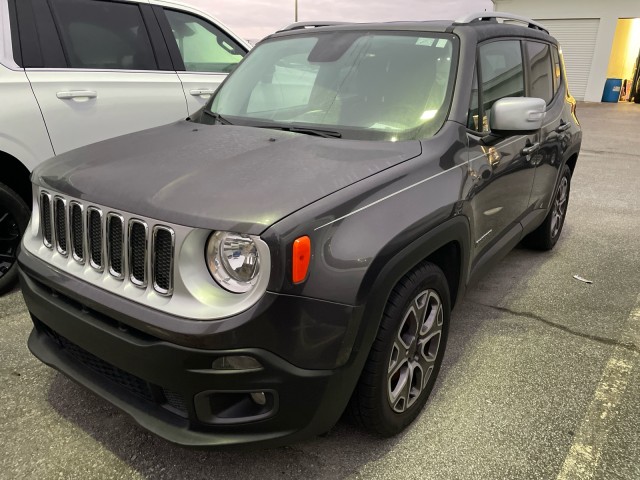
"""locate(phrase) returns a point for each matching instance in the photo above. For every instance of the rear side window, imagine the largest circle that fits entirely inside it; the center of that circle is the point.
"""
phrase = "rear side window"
(557, 69)
(103, 35)
(541, 77)
(203, 47)
(501, 74)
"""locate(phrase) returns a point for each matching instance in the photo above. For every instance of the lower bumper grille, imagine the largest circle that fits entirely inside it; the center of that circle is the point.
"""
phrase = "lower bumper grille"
(129, 382)
(132, 384)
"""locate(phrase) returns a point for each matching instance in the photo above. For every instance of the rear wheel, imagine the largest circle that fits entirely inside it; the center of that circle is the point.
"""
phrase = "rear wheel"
(546, 235)
(406, 355)
(14, 217)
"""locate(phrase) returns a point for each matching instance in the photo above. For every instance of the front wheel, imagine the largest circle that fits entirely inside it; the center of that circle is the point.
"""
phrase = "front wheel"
(546, 235)
(406, 355)
(14, 217)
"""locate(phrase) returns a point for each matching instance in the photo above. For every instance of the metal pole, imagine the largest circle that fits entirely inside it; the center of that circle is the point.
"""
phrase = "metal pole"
(296, 15)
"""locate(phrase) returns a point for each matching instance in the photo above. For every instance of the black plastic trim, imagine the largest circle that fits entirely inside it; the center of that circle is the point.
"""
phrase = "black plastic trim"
(169, 39)
(163, 59)
(53, 55)
(15, 33)
(29, 38)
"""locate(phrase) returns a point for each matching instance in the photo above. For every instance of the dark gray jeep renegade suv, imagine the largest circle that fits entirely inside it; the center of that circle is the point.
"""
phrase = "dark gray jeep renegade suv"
(294, 249)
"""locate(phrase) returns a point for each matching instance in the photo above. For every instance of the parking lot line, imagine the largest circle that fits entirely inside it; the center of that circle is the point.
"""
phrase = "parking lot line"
(591, 438)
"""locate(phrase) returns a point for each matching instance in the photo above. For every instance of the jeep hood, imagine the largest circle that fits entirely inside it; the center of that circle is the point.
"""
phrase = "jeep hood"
(220, 177)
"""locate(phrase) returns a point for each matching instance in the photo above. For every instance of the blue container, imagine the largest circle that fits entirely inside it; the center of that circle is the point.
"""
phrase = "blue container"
(612, 90)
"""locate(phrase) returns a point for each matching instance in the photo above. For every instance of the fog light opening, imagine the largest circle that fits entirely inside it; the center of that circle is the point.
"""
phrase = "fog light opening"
(226, 408)
(259, 397)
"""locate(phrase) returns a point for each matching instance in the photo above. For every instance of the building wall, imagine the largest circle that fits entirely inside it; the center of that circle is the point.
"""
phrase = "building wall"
(618, 60)
(607, 11)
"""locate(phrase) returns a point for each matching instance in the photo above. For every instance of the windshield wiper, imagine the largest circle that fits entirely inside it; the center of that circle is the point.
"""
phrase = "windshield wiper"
(217, 117)
(305, 130)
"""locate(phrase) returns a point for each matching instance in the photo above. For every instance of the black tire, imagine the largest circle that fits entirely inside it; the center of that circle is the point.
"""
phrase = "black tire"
(372, 405)
(14, 217)
(546, 235)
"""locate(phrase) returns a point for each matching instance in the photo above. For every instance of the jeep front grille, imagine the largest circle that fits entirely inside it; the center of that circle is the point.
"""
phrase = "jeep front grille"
(163, 245)
(60, 222)
(115, 244)
(109, 245)
(94, 237)
(45, 219)
(138, 231)
(76, 226)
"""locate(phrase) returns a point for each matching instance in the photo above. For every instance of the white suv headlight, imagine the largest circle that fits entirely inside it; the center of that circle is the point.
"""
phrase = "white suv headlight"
(233, 261)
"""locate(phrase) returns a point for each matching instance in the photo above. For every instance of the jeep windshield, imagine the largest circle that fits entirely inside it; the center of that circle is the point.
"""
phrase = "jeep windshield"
(388, 86)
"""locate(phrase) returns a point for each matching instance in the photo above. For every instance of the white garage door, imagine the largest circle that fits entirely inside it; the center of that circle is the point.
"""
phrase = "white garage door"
(577, 38)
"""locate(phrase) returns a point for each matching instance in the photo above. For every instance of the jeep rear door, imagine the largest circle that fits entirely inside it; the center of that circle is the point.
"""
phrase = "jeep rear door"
(546, 82)
(99, 69)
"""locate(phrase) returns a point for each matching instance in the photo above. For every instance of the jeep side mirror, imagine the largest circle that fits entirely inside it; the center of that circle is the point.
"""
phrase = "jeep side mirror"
(517, 114)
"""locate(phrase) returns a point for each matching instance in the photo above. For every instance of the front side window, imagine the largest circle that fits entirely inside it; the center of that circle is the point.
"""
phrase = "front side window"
(472, 120)
(383, 86)
(203, 47)
(502, 74)
(103, 35)
(541, 74)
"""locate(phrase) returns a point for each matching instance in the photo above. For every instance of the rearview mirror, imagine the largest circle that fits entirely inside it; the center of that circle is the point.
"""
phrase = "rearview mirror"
(517, 114)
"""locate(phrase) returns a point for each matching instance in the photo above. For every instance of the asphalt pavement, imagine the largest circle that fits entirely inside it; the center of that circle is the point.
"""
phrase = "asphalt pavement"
(541, 377)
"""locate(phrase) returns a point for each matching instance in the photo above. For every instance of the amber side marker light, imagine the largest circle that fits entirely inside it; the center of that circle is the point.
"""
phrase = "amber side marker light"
(301, 258)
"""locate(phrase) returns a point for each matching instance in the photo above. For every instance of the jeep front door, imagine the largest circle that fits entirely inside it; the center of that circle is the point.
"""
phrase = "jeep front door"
(501, 166)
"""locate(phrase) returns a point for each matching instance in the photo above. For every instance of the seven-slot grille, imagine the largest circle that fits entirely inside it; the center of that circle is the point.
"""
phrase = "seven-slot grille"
(101, 240)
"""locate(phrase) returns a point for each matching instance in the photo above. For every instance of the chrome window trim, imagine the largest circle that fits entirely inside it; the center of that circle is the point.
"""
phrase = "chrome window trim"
(112, 272)
(96, 70)
(76, 257)
(94, 265)
(134, 280)
(45, 242)
(164, 292)
(59, 249)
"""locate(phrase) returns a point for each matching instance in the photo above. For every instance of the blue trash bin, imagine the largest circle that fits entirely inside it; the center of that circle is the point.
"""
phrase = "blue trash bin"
(612, 90)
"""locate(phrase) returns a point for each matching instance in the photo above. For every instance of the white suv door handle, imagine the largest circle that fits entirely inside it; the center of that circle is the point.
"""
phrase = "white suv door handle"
(201, 91)
(71, 94)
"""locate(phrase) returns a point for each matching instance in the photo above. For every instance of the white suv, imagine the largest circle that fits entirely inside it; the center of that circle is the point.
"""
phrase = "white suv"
(74, 72)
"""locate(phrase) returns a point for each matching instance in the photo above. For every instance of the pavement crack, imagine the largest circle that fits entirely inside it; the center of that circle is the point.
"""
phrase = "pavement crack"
(595, 338)
(606, 152)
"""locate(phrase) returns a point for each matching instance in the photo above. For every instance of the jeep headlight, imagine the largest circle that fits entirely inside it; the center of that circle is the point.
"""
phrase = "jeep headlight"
(233, 261)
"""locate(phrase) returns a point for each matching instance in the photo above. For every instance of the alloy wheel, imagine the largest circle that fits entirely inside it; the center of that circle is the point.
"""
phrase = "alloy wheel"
(559, 207)
(414, 351)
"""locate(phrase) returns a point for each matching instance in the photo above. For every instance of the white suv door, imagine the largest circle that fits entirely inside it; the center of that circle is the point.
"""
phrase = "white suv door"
(203, 51)
(105, 75)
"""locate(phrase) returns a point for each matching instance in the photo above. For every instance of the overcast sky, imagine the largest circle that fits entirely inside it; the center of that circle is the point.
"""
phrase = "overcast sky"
(253, 19)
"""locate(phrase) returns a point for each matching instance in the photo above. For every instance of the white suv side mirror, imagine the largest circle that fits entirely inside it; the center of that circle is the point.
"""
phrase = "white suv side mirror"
(517, 114)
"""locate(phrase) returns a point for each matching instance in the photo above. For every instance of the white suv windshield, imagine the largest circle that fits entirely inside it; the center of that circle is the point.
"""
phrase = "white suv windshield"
(380, 86)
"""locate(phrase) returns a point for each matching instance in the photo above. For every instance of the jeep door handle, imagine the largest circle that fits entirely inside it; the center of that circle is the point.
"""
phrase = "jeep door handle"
(73, 94)
(531, 149)
(563, 127)
(198, 92)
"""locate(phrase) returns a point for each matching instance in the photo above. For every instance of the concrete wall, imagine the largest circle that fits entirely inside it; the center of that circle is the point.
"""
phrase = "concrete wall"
(608, 12)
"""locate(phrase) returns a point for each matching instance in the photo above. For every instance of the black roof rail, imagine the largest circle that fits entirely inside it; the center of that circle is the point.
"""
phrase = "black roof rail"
(494, 16)
(305, 25)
